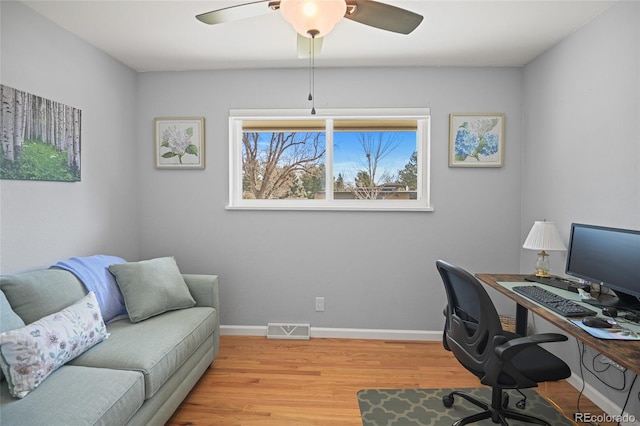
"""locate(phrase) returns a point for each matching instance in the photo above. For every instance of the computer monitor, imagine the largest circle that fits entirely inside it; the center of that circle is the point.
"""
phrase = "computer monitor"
(609, 257)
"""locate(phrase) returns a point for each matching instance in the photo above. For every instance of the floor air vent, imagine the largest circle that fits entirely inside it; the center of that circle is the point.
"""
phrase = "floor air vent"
(288, 331)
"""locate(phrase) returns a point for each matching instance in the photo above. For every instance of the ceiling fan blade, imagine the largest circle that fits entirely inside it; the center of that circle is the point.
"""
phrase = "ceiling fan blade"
(240, 11)
(383, 16)
(304, 46)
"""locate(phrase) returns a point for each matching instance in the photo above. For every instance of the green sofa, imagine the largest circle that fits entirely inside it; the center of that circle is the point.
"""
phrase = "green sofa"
(139, 375)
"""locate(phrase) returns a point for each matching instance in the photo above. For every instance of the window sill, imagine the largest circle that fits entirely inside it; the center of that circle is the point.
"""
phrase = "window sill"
(334, 208)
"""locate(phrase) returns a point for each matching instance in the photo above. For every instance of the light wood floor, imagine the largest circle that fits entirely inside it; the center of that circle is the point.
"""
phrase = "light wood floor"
(256, 381)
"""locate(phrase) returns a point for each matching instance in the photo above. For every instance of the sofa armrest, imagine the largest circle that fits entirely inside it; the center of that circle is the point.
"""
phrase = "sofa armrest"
(204, 289)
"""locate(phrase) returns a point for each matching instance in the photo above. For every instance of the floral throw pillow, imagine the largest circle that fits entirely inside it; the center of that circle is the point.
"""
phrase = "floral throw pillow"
(31, 353)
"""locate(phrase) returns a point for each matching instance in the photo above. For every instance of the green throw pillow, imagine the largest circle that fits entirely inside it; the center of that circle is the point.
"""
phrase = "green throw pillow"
(151, 287)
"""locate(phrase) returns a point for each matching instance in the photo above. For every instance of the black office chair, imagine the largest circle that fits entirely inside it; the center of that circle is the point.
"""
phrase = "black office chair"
(502, 360)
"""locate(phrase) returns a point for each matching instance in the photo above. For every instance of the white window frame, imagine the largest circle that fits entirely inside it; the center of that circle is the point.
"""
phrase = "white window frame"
(421, 115)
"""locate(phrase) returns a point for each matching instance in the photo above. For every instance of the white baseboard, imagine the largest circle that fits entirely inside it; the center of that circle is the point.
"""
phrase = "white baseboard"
(605, 404)
(243, 330)
(339, 333)
(378, 334)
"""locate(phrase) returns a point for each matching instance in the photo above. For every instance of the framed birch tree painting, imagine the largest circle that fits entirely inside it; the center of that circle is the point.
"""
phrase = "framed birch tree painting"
(476, 140)
(40, 138)
(179, 142)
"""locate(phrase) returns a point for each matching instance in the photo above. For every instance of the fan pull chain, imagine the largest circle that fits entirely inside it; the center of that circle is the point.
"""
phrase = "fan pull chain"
(310, 66)
(312, 69)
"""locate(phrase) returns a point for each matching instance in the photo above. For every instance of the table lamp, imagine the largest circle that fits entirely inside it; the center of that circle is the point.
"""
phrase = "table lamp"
(544, 237)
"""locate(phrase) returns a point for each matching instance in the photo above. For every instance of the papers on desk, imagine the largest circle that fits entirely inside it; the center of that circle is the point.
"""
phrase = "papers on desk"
(619, 333)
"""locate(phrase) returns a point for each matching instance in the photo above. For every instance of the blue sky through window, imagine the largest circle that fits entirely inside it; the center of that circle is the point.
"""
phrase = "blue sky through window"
(349, 155)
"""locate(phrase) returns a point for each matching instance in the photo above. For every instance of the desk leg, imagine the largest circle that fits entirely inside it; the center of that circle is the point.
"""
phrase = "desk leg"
(522, 316)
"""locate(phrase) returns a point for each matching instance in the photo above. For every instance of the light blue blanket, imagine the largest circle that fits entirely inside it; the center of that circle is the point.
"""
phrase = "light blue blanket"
(93, 272)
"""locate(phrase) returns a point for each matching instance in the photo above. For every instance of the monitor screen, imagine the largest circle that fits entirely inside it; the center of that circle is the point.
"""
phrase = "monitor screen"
(606, 256)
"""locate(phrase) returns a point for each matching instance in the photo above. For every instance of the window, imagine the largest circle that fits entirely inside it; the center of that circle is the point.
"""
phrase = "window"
(335, 160)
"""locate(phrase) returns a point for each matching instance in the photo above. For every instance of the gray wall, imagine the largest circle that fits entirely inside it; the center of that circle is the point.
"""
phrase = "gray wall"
(273, 264)
(42, 222)
(375, 269)
(581, 159)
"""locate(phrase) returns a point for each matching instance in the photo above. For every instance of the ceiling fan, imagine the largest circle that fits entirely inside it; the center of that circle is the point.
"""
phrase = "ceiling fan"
(316, 18)
(313, 19)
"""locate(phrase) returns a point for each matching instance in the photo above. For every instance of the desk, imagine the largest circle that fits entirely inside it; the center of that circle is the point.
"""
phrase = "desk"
(624, 352)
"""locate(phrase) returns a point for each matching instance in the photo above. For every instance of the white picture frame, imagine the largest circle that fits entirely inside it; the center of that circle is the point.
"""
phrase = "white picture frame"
(476, 140)
(179, 142)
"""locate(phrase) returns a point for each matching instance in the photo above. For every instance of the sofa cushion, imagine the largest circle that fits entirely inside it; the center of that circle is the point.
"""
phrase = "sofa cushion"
(152, 287)
(9, 320)
(28, 355)
(156, 347)
(36, 294)
(77, 396)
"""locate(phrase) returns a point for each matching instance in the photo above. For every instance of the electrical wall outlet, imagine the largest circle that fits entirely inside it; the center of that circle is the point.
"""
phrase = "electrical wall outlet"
(319, 304)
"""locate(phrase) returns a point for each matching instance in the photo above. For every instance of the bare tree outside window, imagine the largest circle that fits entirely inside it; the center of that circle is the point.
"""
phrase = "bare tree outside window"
(279, 165)
(375, 147)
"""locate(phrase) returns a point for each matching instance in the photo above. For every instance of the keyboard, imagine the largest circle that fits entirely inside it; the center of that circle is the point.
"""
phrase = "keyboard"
(553, 302)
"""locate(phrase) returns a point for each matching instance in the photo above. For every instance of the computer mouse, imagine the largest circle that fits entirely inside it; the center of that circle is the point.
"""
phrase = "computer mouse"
(596, 322)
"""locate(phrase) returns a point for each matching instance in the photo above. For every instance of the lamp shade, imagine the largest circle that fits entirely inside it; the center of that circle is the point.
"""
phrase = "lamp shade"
(544, 236)
(317, 17)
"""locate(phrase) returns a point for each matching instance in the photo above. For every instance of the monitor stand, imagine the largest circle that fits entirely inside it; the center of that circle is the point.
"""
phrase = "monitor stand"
(623, 301)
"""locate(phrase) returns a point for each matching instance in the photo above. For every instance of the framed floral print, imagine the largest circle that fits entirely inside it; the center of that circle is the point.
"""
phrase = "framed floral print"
(476, 140)
(179, 142)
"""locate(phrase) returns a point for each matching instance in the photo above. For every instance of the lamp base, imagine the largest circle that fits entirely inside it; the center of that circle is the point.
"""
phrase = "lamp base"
(542, 265)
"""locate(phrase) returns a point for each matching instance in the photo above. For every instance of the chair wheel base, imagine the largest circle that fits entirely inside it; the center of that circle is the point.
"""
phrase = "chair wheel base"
(498, 413)
(447, 400)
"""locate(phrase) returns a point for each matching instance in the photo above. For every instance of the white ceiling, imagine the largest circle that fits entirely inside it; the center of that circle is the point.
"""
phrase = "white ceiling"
(152, 35)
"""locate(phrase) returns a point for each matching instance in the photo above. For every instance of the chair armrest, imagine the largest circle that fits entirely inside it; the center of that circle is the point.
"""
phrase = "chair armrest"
(510, 348)
(204, 289)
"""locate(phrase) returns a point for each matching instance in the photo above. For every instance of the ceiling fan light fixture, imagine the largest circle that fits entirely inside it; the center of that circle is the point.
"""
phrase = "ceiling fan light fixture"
(313, 18)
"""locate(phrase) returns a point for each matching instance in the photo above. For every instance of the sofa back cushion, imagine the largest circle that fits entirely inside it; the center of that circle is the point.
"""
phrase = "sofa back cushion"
(36, 294)
(9, 320)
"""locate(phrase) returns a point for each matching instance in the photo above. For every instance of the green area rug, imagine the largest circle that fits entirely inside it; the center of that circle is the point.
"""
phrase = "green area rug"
(424, 407)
